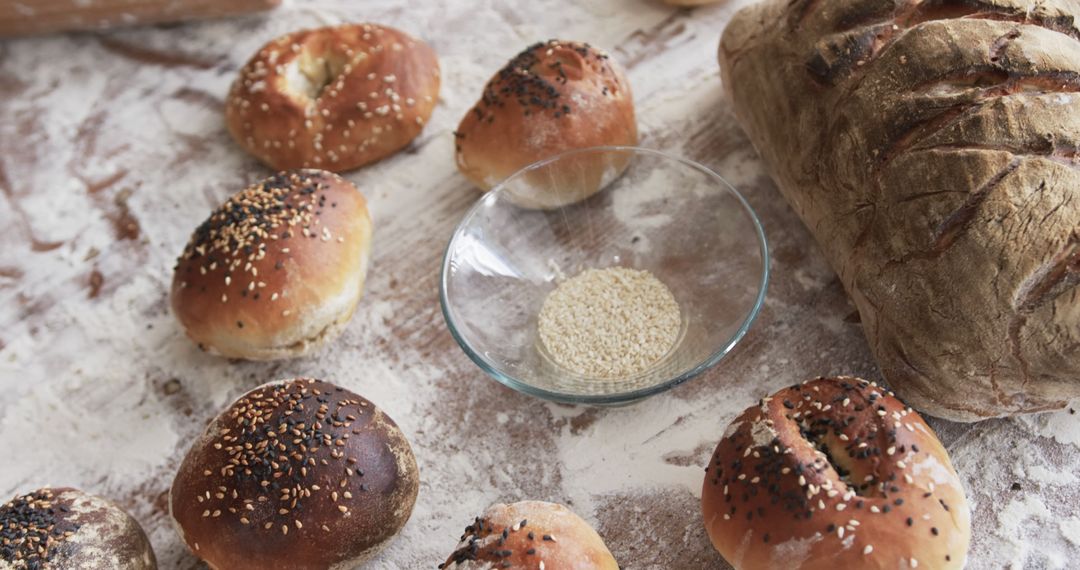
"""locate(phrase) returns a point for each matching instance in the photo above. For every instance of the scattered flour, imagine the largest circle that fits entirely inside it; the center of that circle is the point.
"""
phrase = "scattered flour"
(106, 393)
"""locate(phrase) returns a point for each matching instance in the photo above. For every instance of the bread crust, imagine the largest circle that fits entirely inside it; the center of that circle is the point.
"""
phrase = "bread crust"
(530, 535)
(335, 98)
(553, 97)
(277, 270)
(74, 530)
(295, 474)
(930, 147)
(834, 473)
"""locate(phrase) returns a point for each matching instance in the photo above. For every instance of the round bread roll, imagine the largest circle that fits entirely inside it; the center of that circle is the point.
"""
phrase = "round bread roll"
(295, 474)
(530, 535)
(334, 98)
(553, 97)
(834, 473)
(277, 270)
(67, 529)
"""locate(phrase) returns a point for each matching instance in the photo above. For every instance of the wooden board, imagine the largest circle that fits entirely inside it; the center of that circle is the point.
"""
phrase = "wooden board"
(113, 149)
(22, 17)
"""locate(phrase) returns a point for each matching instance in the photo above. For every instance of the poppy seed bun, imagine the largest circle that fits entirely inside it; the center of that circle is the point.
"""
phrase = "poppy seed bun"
(67, 529)
(296, 474)
(530, 535)
(334, 98)
(834, 473)
(277, 270)
(553, 97)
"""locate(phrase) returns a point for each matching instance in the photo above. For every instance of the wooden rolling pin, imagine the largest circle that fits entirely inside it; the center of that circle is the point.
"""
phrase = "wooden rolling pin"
(25, 17)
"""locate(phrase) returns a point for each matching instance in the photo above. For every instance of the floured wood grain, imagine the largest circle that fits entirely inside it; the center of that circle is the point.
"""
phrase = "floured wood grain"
(114, 149)
(26, 17)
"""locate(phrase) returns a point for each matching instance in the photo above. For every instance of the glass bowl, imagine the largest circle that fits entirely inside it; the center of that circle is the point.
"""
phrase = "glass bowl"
(596, 208)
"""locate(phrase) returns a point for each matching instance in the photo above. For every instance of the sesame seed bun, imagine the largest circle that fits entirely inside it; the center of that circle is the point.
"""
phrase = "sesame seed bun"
(277, 270)
(834, 473)
(295, 474)
(67, 528)
(334, 98)
(530, 535)
(553, 97)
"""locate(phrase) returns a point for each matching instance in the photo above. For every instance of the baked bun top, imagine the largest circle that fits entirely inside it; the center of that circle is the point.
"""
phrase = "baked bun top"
(553, 97)
(834, 473)
(530, 535)
(334, 98)
(274, 266)
(64, 528)
(295, 474)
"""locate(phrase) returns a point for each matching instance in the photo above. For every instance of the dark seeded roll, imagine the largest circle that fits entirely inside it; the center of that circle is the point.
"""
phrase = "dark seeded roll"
(297, 474)
(553, 97)
(66, 529)
(834, 473)
(530, 535)
(278, 269)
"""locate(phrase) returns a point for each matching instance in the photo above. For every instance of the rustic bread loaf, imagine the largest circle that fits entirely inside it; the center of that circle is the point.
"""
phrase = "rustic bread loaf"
(931, 148)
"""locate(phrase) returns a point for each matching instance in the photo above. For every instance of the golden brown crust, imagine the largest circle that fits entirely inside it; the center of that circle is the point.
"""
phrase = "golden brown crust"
(335, 98)
(553, 97)
(834, 473)
(295, 474)
(67, 529)
(278, 269)
(930, 147)
(530, 535)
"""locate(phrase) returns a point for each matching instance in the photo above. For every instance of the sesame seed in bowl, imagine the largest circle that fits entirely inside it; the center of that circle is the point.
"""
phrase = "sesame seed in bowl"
(610, 299)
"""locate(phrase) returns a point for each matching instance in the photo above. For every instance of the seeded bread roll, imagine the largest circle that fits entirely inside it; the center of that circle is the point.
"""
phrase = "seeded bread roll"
(834, 473)
(295, 474)
(553, 97)
(277, 270)
(530, 535)
(334, 98)
(66, 529)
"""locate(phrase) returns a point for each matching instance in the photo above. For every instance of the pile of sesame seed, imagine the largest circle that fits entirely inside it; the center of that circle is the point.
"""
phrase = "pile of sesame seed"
(609, 323)
(475, 548)
(284, 445)
(234, 240)
(31, 527)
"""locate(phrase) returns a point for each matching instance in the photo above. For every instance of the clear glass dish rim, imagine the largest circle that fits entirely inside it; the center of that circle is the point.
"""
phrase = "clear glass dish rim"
(617, 397)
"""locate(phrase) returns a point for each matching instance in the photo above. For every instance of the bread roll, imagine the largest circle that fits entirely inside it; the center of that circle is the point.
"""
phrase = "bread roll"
(335, 98)
(930, 148)
(277, 270)
(530, 535)
(553, 97)
(66, 529)
(834, 473)
(295, 474)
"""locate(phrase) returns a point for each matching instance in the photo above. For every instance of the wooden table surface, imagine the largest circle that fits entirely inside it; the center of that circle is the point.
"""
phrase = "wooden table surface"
(113, 148)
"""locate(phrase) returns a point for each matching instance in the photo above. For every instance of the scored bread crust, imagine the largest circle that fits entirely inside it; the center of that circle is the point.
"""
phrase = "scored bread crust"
(930, 147)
